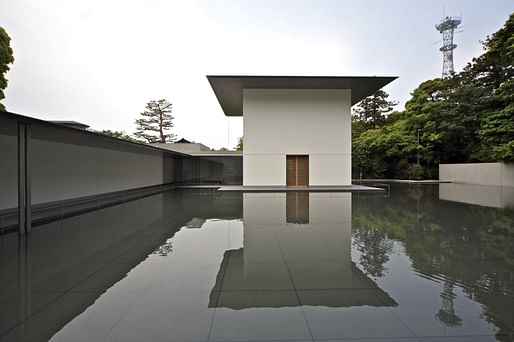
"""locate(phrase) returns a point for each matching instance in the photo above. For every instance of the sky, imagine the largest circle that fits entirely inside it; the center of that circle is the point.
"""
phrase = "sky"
(100, 61)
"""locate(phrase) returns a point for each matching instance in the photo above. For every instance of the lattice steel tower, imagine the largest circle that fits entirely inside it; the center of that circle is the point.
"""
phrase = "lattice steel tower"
(447, 28)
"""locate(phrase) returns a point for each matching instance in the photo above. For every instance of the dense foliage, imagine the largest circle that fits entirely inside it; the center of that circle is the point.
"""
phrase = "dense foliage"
(6, 58)
(468, 117)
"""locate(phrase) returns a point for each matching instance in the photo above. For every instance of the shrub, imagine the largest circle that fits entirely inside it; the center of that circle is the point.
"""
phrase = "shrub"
(415, 171)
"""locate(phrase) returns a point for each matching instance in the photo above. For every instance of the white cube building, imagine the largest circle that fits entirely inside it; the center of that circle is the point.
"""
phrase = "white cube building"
(297, 129)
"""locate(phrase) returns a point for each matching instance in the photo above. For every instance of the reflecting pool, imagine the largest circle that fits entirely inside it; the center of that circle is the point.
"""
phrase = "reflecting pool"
(415, 263)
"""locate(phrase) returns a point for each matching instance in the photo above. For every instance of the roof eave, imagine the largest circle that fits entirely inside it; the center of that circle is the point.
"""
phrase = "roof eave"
(229, 89)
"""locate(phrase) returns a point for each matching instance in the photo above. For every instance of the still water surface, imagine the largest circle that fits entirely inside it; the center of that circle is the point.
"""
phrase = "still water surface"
(417, 263)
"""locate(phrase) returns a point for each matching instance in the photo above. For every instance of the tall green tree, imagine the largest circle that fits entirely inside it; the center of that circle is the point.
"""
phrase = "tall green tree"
(495, 66)
(156, 122)
(368, 144)
(446, 112)
(468, 117)
(493, 71)
(497, 127)
(6, 58)
(372, 111)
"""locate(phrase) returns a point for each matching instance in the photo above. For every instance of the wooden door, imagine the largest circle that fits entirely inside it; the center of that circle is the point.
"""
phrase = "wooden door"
(303, 170)
(291, 171)
(297, 170)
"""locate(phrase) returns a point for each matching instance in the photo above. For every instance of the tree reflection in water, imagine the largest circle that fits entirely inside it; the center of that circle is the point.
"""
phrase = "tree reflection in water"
(164, 249)
(454, 243)
(375, 248)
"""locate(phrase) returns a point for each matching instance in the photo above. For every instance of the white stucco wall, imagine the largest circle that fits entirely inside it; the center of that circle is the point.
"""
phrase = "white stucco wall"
(278, 122)
(494, 174)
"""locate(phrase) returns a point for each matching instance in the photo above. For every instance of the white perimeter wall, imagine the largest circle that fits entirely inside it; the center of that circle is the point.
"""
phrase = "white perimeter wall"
(63, 171)
(495, 174)
(278, 122)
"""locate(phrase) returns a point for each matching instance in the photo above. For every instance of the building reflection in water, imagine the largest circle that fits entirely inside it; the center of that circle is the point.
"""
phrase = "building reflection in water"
(298, 235)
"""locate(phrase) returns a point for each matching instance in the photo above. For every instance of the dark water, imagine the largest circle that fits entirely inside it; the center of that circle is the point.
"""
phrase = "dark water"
(417, 263)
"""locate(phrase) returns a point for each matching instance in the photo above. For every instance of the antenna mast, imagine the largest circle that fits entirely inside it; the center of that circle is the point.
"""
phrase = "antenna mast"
(447, 27)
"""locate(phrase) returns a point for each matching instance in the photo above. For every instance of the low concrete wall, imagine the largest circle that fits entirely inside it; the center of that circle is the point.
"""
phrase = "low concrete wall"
(494, 174)
(508, 175)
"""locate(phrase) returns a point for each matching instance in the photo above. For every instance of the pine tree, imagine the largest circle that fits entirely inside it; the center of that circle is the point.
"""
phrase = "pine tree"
(156, 121)
(372, 111)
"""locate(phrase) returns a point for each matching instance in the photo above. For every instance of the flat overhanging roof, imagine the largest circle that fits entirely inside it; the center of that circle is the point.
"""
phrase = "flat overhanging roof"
(229, 89)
